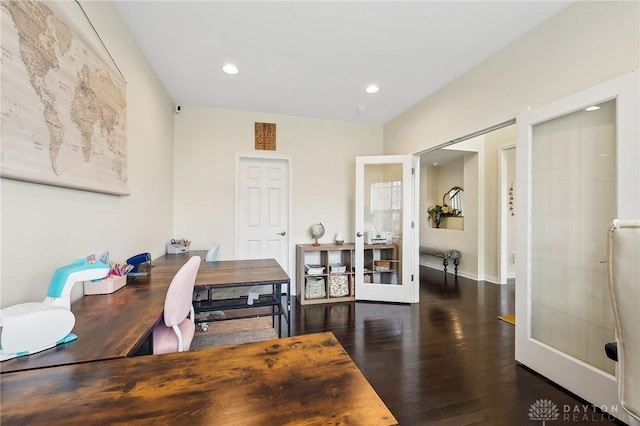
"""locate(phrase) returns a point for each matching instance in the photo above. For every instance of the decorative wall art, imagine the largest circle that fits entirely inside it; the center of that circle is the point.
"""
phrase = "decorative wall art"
(63, 100)
(265, 136)
(511, 200)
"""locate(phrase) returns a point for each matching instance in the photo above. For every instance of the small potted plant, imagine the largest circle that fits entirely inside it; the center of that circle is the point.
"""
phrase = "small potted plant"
(438, 213)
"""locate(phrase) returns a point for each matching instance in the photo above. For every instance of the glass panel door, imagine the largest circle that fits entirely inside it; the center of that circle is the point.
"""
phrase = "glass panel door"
(576, 171)
(384, 229)
(573, 205)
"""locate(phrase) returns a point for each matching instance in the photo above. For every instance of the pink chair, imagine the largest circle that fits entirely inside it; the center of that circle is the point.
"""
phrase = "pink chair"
(175, 333)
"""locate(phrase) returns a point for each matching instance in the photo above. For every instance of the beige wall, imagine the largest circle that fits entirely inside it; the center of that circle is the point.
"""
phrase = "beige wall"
(587, 43)
(322, 154)
(44, 227)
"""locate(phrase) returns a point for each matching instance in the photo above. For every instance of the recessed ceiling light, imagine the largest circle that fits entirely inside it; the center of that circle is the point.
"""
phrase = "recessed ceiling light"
(230, 69)
(592, 108)
(372, 88)
(362, 109)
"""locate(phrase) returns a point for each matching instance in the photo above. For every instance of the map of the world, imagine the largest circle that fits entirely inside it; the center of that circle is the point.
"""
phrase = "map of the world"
(63, 100)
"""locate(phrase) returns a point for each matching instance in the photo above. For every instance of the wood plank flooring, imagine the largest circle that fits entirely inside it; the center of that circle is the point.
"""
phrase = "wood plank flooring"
(447, 360)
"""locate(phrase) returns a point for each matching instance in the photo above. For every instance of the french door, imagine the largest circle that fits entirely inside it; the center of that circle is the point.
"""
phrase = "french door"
(385, 249)
(577, 170)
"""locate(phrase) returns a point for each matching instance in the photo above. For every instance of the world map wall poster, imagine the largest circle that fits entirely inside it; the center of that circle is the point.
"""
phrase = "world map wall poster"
(63, 102)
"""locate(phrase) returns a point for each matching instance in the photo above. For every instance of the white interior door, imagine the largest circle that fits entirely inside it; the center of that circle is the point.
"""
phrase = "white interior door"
(263, 209)
(385, 252)
(576, 171)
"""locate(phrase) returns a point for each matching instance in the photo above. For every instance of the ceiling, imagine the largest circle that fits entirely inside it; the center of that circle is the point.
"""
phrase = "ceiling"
(315, 59)
(443, 156)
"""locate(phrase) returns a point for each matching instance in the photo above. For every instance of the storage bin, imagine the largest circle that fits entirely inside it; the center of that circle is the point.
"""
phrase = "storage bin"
(338, 285)
(315, 288)
(382, 265)
(106, 285)
(177, 249)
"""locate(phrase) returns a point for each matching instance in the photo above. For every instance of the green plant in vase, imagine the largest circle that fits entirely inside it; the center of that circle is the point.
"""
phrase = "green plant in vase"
(438, 213)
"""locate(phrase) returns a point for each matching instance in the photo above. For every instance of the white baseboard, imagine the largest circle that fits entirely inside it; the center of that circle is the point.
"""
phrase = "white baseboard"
(450, 270)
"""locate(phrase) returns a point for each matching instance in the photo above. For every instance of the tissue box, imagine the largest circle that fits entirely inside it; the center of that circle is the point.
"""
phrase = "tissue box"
(104, 286)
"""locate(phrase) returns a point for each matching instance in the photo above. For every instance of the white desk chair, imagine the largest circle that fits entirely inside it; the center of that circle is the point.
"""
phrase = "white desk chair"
(624, 288)
(212, 254)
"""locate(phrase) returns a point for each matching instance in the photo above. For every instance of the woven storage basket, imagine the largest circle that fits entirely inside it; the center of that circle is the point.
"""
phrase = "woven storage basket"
(315, 288)
(338, 285)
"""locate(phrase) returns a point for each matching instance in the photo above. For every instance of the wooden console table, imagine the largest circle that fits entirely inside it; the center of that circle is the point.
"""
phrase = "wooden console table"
(306, 379)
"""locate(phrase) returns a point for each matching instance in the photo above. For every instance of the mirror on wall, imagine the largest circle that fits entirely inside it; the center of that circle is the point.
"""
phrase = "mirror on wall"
(453, 198)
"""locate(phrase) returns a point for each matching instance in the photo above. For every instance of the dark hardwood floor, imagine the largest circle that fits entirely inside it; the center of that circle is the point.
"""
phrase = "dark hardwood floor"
(446, 360)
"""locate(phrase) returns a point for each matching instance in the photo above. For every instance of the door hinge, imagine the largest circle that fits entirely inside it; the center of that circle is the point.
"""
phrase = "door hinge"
(413, 224)
(413, 171)
(411, 277)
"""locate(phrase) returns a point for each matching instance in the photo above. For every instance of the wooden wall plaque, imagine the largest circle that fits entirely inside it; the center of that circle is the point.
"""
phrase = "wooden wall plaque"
(266, 136)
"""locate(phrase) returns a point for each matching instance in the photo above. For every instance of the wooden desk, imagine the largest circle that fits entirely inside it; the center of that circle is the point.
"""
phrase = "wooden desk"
(115, 325)
(300, 380)
(108, 326)
(235, 274)
(170, 263)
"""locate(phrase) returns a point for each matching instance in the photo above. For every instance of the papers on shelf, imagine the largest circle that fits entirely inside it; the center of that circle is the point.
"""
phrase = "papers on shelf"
(338, 268)
(314, 269)
(251, 297)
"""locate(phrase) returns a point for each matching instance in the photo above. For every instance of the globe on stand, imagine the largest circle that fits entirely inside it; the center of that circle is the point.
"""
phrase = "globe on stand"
(317, 231)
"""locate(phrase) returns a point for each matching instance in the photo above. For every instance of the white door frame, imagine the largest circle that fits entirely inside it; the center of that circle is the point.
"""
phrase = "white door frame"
(265, 156)
(582, 379)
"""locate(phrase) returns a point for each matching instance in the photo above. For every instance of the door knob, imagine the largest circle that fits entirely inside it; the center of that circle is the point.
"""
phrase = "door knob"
(358, 234)
(282, 233)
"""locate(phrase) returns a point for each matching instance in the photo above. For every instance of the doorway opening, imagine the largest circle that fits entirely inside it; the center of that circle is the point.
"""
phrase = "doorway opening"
(481, 228)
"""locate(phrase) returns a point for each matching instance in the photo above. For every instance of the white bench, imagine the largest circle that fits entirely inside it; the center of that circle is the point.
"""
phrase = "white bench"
(445, 254)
